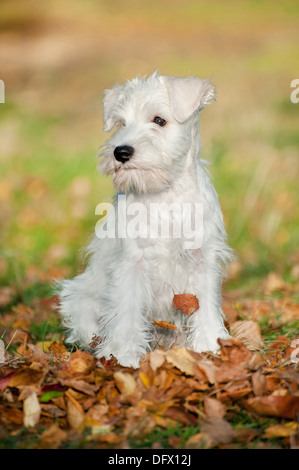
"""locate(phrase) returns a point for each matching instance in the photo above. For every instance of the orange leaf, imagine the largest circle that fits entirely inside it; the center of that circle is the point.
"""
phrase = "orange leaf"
(282, 406)
(187, 303)
(165, 324)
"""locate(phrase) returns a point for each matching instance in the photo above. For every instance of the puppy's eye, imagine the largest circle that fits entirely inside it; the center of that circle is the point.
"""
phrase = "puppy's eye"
(160, 121)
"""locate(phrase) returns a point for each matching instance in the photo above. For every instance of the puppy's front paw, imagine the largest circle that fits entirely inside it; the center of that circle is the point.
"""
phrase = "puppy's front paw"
(129, 360)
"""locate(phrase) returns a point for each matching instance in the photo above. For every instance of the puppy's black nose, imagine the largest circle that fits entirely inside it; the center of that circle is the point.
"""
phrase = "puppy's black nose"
(123, 153)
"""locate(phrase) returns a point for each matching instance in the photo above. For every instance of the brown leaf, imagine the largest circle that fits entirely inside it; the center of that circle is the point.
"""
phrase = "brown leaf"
(209, 369)
(52, 437)
(234, 350)
(218, 430)
(248, 332)
(156, 359)
(281, 430)
(125, 383)
(228, 371)
(187, 303)
(214, 408)
(57, 349)
(231, 315)
(81, 386)
(165, 324)
(6, 296)
(79, 364)
(181, 359)
(11, 415)
(75, 413)
(26, 376)
(258, 383)
(281, 406)
(24, 316)
(278, 345)
(273, 283)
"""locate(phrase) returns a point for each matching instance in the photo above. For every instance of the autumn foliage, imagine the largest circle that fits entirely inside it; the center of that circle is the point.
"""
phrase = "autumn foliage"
(61, 396)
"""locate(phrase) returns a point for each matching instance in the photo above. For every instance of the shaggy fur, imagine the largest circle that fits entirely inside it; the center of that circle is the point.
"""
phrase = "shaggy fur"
(128, 282)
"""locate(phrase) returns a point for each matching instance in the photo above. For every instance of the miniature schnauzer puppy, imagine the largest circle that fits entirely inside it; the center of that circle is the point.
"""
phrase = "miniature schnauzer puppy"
(130, 282)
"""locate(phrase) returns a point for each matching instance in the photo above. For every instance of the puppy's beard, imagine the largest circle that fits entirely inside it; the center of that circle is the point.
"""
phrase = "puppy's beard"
(139, 180)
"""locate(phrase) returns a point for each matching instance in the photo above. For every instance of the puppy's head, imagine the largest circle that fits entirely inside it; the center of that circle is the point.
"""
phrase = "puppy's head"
(153, 119)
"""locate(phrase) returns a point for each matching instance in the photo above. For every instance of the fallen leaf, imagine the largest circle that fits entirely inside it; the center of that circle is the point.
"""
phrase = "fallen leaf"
(181, 359)
(258, 383)
(218, 430)
(165, 324)
(248, 332)
(52, 437)
(75, 413)
(273, 283)
(125, 383)
(23, 316)
(6, 296)
(281, 430)
(209, 369)
(11, 415)
(228, 372)
(199, 441)
(25, 377)
(231, 315)
(234, 351)
(187, 303)
(57, 349)
(31, 410)
(281, 406)
(156, 359)
(213, 408)
(79, 364)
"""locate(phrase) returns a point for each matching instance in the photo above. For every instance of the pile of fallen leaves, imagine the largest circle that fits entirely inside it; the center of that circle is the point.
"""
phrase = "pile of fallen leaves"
(245, 396)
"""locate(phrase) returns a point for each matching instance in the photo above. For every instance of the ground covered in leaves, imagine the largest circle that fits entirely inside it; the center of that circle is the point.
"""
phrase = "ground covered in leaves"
(247, 396)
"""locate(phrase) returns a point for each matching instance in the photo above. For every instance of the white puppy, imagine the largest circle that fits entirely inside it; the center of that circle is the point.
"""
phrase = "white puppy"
(130, 281)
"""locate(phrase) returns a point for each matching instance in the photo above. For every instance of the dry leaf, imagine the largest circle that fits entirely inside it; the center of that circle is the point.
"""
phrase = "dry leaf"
(52, 437)
(214, 408)
(228, 372)
(31, 410)
(187, 303)
(79, 364)
(258, 383)
(218, 430)
(281, 406)
(281, 430)
(165, 324)
(75, 413)
(156, 359)
(273, 283)
(125, 383)
(248, 332)
(209, 369)
(181, 359)
(199, 441)
(26, 377)
(6, 296)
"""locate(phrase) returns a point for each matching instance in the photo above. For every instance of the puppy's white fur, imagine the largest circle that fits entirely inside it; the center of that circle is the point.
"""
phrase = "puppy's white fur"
(128, 282)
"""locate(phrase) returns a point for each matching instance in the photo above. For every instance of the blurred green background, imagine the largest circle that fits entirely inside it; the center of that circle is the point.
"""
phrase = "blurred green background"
(57, 57)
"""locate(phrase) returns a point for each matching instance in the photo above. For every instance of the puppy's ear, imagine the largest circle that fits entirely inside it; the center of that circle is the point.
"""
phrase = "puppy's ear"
(188, 95)
(109, 101)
